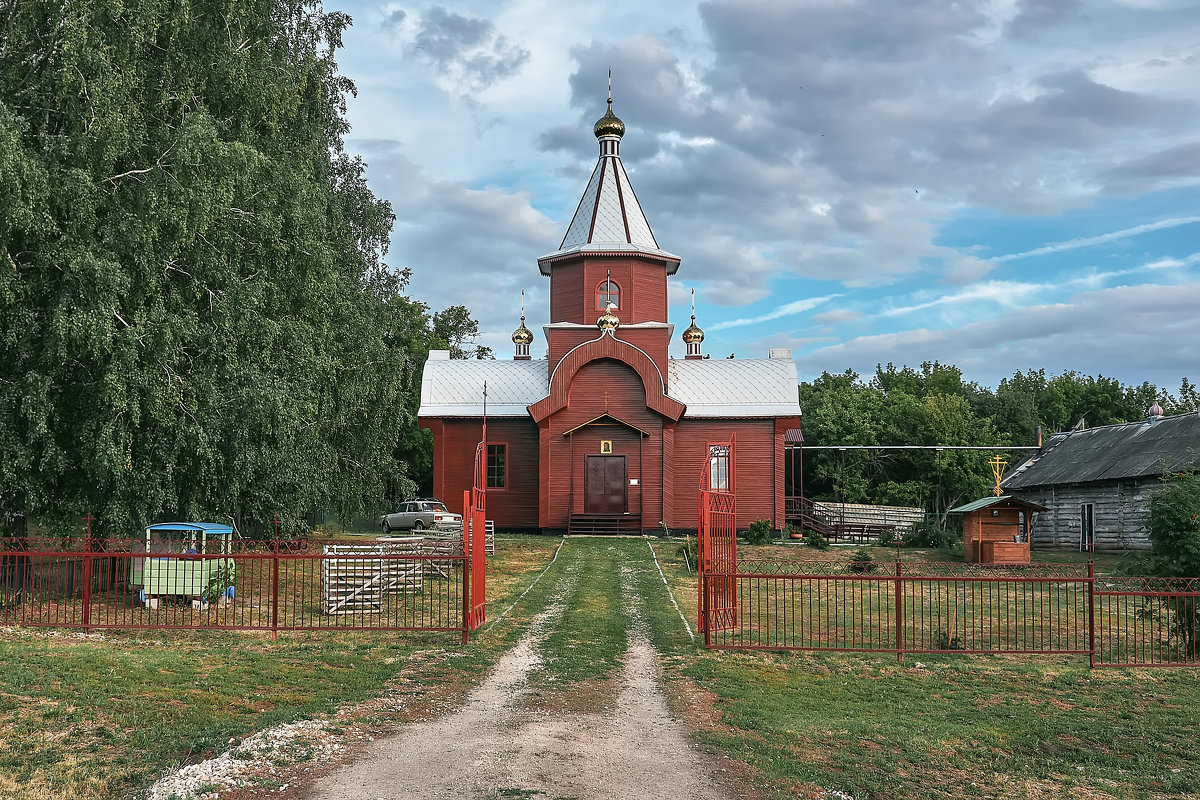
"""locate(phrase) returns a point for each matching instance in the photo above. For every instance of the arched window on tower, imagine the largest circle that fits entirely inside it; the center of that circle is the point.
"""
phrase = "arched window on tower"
(608, 292)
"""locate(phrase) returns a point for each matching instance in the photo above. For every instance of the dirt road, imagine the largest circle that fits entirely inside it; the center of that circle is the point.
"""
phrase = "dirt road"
(614, 738)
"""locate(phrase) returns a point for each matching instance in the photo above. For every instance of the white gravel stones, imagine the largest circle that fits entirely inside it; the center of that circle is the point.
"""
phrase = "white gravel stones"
(259, 761)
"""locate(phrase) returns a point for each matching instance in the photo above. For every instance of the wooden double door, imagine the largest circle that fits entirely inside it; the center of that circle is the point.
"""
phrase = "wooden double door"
(605, 485)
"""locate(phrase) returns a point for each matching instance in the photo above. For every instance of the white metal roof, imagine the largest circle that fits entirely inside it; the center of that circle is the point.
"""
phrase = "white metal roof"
(727, 388)
(454, 388)
(735, 387)
(609, 218)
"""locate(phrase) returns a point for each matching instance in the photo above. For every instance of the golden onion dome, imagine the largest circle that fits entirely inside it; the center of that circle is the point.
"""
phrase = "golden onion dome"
(694, 334)
(522, 335)
(609, 321)
(609, 125)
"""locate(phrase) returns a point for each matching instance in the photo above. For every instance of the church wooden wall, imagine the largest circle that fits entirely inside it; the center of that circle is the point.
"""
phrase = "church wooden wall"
(1122, 510)
(562, 469)
(758, 468)
(573, 290)
(454, 441)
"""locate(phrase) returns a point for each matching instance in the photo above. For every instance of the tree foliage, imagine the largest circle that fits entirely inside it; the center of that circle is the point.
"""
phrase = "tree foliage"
(934, 406)
(1175, 526)
(195, 314)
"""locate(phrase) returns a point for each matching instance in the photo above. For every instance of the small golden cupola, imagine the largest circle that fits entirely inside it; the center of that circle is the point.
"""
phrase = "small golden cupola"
(522, 337)
(694, 335)
(610, 124)
(608, 321)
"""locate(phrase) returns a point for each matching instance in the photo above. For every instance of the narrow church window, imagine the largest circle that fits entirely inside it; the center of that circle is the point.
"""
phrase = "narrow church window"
(497, 465)
(608, 292)
(718, 468)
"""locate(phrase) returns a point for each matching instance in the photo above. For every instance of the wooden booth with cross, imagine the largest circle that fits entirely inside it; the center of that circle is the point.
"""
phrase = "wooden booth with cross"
(996, 530)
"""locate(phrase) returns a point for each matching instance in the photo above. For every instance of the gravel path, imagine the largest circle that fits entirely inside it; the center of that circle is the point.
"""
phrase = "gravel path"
(497, 744)
(494, 746)
(633, 750)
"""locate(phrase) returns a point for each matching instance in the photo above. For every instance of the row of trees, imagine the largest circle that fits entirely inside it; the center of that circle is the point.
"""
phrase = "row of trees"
(933, 405)
(195, 315)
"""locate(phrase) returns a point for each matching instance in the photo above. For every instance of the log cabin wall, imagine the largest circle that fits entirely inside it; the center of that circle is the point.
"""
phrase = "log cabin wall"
(1120, 513)
(513, 507)
(756, 464)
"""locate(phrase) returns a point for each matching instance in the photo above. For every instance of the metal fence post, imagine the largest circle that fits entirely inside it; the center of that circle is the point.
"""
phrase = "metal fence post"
(87, 573)
(275, 589)
(467, 570)
(899, 592)
(1091, 613)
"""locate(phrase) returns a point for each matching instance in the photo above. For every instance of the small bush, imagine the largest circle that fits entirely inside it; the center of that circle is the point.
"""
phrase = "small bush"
(759, 532)
(947, 642)
(861, 561)
(815, 540)
(930, 534)
(1175, 525)
(887, 538)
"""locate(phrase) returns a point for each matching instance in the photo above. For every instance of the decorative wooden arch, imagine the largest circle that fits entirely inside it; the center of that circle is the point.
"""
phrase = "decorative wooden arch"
(607, 346)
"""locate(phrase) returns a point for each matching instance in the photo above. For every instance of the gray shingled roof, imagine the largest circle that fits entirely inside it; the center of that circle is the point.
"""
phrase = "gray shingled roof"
(1109, 452)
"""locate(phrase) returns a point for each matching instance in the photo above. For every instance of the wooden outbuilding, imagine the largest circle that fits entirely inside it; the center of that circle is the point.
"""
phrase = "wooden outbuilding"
(609, 432)
(1097, 483)
(996, 530)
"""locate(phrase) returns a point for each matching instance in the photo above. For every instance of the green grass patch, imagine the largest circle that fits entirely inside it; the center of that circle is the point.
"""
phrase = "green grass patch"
(956, 726)
(589, 642)
(102, 716)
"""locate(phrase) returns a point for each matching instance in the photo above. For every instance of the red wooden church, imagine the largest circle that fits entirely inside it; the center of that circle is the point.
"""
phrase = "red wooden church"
(608, 434)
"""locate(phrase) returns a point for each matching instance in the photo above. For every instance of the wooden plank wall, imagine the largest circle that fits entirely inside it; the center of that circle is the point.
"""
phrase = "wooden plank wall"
(1121, 514)
(626, 400)
(755, 468)
(515, 506)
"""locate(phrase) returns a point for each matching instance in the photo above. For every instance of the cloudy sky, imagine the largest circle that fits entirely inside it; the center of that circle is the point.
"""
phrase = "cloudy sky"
(999, 185)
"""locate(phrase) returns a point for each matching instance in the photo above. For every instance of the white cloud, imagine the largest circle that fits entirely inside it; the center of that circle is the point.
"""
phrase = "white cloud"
(1104, 238)
(786, 310)
(1146, 331)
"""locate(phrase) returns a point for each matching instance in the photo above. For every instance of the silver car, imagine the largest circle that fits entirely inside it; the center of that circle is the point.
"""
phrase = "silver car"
(418, 515)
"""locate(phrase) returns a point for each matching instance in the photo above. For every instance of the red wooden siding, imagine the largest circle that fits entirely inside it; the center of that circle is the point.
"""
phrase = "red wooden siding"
(759, 482)
(606, 347)
(567, 294)
(563, 471)
(650, 289)
(514, 506)
(573, 289)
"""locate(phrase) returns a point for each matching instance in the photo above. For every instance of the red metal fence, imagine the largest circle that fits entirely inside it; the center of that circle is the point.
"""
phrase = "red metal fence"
(475, 540)
(716, 536)
(959, 608)
(257, 585)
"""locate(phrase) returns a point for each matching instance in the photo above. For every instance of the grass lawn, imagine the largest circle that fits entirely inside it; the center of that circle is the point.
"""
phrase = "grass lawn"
(101, 716)
(935, 726)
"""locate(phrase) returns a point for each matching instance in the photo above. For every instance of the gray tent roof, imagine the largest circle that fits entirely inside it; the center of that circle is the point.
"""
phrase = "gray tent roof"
(1110, 452)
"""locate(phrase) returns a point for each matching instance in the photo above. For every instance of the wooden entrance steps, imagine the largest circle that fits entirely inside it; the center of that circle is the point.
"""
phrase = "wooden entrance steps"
(604, 524)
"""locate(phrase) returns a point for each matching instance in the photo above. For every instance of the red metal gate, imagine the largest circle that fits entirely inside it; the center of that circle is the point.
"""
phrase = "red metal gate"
(717, 538)
(475, 543)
